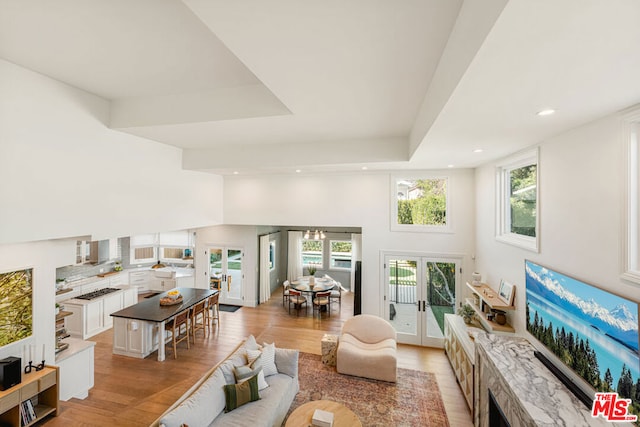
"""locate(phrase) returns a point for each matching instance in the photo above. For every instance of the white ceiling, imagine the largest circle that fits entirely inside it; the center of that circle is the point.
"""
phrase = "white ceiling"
(272, 86)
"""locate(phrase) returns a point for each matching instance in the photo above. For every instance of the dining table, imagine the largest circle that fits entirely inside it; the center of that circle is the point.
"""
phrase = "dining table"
(321, 284)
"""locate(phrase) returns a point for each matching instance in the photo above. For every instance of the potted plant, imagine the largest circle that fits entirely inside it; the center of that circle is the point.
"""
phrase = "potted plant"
(467, 312)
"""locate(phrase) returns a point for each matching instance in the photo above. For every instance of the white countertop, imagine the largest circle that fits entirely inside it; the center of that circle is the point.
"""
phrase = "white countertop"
(76, 345)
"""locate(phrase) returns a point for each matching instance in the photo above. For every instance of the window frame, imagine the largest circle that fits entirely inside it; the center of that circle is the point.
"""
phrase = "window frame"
(393, 217)
(631, 208)
(331, 266)
(503, 200)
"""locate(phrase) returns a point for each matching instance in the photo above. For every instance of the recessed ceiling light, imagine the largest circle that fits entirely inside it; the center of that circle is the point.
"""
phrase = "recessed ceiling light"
(546, 112)
(235, 172)
(478, 150)
(364, 168)
(298, 170)
(449, 166)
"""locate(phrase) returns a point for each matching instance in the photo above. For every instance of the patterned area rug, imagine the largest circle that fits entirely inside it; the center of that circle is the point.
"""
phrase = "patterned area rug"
(413, 401)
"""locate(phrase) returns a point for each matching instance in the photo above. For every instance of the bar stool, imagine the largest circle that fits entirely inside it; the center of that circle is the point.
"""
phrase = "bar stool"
(174, 326)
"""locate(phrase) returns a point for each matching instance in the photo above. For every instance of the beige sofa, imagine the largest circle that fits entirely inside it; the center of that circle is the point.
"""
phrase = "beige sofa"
(367, 348)
(204, 403)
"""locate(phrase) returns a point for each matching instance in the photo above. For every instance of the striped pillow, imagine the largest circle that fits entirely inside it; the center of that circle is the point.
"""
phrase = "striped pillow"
(269, 359)
(242, 373)
(237, 395)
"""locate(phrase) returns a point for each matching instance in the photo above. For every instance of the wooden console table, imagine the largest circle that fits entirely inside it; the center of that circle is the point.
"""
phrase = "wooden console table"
(41, 387)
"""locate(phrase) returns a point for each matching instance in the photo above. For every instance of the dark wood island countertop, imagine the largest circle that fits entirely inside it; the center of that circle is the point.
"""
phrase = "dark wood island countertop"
(151, 310)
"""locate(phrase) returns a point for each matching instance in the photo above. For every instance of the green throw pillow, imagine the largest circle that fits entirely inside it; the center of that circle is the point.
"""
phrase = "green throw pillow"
(237, 395)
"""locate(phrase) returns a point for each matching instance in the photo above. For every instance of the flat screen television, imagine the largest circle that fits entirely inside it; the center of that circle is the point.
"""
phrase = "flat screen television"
(591, 331)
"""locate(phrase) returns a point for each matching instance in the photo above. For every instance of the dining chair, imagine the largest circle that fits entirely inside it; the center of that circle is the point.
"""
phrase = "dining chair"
(285, 291)
(322, 300)
(213, 311)
(296, 298)
(174, 326)
(198, 316)
(336, 293)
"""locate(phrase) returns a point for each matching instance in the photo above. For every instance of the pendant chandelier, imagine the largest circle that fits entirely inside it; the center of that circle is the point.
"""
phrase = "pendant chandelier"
(316, 235)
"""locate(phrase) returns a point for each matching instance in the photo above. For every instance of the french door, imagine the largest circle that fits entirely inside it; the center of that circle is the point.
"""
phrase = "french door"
(419, 291)
(225, 273)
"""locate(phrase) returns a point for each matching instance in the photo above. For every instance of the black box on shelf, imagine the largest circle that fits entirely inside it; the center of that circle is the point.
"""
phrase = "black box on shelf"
(10, 372)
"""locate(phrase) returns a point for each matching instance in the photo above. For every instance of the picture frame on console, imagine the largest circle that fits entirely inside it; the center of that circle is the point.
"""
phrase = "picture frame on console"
(507, 292)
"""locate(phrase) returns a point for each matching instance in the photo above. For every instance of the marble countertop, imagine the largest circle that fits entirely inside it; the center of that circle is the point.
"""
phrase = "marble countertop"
(540, 394)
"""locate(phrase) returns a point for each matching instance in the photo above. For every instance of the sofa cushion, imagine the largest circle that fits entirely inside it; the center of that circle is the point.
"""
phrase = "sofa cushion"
(269, 411)
(202, 406)
(287, 361)
(269, 359)
(244, 372)
(237, 395)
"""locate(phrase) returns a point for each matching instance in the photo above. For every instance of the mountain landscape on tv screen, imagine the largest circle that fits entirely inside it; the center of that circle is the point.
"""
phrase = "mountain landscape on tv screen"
(620, 322)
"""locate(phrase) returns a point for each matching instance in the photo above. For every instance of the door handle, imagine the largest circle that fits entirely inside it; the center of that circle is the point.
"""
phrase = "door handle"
(418, 305)
(424, 306)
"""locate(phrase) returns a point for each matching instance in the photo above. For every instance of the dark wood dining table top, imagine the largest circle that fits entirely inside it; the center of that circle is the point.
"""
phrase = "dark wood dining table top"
(151, 310)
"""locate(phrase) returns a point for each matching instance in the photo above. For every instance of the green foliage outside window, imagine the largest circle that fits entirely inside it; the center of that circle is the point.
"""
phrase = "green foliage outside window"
(424, 202)
(523, 200)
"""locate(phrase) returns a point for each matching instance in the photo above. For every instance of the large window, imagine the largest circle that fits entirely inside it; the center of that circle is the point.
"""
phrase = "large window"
(312, 253)
(340, 255)
(517, 201)
(420, 204)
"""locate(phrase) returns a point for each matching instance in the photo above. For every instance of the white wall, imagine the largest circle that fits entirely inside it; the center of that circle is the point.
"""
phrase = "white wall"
(64, 173)
(582, 175)
(352, 200)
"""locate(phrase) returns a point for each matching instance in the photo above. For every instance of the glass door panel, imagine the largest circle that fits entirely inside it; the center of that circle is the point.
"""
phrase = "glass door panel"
(403, 296)
(225, 274)
(440, 285)
(420, 291)
(234, 276)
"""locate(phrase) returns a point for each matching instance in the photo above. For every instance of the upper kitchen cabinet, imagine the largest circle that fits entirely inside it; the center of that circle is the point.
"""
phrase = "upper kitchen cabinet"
(96, 252)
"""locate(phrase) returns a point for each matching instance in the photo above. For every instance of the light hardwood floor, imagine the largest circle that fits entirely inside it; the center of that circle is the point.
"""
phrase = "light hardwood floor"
(134, 392)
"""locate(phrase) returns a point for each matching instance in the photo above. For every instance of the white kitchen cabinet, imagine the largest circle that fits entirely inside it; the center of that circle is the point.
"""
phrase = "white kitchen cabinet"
(112, 303)
(134, 338)
(94, 316)
(185, 282)
(76, 369)
(139, 279)
(129, 297)
(162, 285)
(119, 279)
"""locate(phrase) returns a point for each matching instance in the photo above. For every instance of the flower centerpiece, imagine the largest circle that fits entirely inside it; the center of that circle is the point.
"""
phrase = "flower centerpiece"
(312, 271)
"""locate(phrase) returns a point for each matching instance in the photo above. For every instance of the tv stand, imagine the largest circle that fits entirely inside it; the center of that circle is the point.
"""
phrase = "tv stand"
(573, 387)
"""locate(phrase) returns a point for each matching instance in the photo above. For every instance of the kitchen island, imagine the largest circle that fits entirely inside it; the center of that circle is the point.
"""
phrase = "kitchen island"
(137, 329)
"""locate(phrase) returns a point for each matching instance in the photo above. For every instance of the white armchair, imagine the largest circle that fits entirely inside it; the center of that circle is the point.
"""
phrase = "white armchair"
(367, 348)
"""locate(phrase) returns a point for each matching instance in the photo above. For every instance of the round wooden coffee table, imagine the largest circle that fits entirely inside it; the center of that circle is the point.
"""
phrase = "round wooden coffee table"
(342, 416)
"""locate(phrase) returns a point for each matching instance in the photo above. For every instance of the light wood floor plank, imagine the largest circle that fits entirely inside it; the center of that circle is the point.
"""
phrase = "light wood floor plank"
(134, 392)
